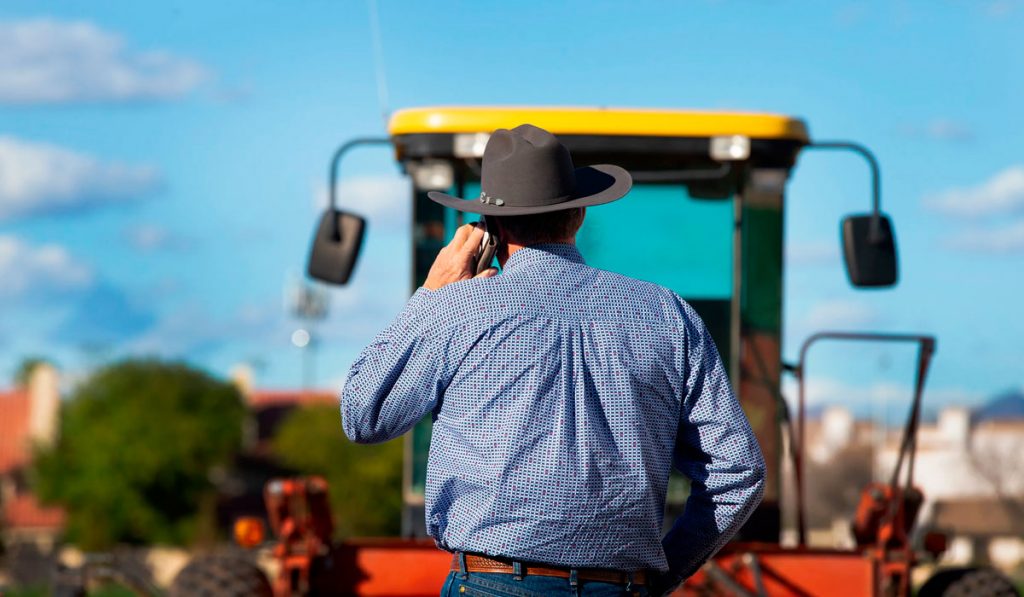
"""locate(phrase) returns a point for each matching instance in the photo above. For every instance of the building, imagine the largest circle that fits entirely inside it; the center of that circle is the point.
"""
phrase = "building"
(241, 489)
(969, 465)
(28, 415)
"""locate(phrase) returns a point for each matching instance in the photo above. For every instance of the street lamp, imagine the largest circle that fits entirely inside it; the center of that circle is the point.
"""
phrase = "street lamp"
(308, 302)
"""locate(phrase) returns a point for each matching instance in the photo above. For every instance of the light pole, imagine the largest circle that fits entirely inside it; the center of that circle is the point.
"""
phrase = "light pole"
(308, 302)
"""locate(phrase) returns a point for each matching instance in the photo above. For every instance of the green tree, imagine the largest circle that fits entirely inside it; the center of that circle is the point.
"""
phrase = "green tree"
(138, 442)
(365, 481)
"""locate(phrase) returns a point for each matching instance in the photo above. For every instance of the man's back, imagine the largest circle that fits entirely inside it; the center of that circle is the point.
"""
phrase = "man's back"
(561, 396)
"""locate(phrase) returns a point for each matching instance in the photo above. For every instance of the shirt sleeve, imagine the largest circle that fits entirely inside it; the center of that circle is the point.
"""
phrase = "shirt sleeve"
(717, 450)
(398, 378)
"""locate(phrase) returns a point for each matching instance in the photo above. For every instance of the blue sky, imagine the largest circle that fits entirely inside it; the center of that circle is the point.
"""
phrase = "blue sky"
(161, 166)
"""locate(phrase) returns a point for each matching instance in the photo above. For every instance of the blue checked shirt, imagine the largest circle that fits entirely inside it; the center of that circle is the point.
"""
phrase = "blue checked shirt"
(562, 395)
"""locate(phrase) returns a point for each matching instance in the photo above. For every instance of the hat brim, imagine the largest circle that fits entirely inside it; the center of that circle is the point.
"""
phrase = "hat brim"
(602, 183)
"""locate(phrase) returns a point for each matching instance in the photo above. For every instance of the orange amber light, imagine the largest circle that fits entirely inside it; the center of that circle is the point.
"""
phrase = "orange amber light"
(249, 531)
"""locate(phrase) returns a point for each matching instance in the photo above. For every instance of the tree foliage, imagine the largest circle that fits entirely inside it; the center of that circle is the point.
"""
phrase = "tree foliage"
(137, 444)
(365, 481)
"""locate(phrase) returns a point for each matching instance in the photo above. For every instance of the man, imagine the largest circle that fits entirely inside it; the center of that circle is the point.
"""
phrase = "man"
(562, 395)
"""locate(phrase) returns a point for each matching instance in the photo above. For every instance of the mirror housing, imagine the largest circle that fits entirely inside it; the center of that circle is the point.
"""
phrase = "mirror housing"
(870, 254)
(336, 244)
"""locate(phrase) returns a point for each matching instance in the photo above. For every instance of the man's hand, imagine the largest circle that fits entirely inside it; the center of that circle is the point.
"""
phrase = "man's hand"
(457, 261)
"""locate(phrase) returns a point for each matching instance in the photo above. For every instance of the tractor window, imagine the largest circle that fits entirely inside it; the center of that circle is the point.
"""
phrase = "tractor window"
(660, 234)
(656, 233)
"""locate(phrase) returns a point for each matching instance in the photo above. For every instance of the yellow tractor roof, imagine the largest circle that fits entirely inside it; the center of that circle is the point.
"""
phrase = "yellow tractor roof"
(598, 121)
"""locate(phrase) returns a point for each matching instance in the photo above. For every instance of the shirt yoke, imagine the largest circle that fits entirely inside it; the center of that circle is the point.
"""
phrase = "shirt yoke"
(560, 290)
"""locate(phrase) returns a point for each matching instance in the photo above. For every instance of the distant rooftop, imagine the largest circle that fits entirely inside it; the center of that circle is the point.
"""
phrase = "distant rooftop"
(263, 398)
(271, 407)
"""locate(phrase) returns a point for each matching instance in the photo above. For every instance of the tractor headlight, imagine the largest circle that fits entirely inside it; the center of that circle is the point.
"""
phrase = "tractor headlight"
(734, 148)
(432, 175)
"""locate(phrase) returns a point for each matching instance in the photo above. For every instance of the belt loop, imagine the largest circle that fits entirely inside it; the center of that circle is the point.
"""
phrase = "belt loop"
(517, 570)
(629, 581)
(463, 570)
(573, 579)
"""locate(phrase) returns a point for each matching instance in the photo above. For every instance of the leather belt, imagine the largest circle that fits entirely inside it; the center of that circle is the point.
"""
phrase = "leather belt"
(479, 563)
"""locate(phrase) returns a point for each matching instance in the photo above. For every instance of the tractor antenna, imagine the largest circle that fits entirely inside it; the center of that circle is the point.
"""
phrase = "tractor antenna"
(378, 60)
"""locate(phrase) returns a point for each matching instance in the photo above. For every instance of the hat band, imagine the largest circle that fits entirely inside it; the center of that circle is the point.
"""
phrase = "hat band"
(497, 201)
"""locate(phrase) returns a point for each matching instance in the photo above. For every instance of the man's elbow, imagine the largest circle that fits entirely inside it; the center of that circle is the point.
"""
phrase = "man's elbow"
(356, 427)
(359, 431)
(353, 432)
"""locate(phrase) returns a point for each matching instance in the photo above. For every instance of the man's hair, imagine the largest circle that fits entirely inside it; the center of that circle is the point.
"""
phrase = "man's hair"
(548, 227)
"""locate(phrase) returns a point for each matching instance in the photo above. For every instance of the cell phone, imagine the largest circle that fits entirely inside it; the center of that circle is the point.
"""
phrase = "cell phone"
(488, 246)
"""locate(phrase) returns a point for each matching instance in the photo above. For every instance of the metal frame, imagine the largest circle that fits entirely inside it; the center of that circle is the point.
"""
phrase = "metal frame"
(907, 445)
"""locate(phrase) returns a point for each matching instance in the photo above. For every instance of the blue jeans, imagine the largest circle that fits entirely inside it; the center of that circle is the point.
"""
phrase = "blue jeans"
(490, 584)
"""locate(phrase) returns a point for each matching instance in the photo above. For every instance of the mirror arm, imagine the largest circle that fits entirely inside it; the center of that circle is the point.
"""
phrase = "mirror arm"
(336, 163)
(876, 177)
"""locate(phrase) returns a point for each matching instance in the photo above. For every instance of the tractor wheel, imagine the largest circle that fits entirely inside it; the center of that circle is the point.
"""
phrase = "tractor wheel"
(228, 575)
(968, 582)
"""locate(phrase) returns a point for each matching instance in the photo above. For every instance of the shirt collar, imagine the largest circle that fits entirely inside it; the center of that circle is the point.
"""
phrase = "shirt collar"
(543, 253)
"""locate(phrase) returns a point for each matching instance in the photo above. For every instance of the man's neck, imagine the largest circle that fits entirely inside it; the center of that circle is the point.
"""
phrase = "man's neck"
(506, 250)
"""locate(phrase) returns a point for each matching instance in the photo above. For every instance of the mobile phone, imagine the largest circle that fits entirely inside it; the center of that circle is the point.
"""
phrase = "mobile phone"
(488, 246)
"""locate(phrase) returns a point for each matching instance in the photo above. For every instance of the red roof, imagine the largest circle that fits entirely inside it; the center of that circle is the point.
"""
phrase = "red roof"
(263, 398)
(14, 445)
(24, 512)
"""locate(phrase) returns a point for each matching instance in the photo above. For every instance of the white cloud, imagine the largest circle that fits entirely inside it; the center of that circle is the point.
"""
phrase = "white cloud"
(41, 178)
(50, 61)
(839, 314)
(1001, 8)
(151, 237)
(948, 130)
(192, 329)
(939, 129)
(383, 200)
(1005, 239)
(852, 14)
(39, 270)
(1003, 193)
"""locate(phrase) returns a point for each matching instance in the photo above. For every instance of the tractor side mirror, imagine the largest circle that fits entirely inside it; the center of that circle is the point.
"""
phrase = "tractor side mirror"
(869, 248)
(336, 244)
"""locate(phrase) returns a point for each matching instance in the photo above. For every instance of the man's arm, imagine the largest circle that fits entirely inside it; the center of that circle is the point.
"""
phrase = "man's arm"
(717, 450)
(402, 374)
(395, 380)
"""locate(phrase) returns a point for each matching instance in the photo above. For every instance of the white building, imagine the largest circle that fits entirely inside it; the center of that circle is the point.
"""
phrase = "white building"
(971, 473)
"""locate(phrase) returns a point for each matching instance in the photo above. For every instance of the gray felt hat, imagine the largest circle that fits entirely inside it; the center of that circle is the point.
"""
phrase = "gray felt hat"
(527, 170)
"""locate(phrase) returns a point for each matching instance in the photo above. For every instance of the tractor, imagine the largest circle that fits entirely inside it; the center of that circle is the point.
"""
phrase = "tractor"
(717, 181)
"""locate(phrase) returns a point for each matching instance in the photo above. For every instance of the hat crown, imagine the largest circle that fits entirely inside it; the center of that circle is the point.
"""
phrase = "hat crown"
(526, 166)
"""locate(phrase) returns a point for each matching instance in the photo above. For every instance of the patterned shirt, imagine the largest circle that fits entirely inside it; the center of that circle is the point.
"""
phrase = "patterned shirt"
(562, 395)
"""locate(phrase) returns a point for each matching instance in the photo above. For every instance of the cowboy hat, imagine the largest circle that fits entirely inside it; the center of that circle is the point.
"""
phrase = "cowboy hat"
(527, 170)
